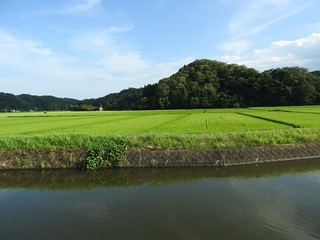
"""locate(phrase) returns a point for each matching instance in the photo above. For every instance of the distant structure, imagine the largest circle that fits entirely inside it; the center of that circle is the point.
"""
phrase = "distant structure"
(101, 108)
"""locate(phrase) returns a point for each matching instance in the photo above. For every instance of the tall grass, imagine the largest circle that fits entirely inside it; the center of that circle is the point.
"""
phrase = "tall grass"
(155, 141)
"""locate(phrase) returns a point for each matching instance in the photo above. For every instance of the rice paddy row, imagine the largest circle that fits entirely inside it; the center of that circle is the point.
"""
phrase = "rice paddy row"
(191, 129)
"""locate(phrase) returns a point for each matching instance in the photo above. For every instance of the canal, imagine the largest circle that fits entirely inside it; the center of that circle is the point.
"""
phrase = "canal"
(266, 201)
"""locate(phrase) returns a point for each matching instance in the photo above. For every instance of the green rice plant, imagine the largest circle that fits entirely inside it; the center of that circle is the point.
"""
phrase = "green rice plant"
(169, 129)
(299, 109)
(139, 122)
(270, 120)
(216, 122)
(288, 118)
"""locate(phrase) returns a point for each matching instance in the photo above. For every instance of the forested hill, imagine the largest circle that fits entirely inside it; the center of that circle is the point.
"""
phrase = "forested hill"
(211, 84)
(200, 84)
(26, 102)
(316, 73)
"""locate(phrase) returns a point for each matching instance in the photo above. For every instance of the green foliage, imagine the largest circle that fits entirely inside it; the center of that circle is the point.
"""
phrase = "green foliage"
(26, 102)
(115, 152)
(272, 120)
(201, 84)
(211, 84)
(95, 158)
(290, 86)
(106, 135)
(81, 107)
(317, 73)
(79, 129)
(111, 153)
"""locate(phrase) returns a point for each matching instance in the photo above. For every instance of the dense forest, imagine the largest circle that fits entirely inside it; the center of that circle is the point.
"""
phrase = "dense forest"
(212, 84)
(26, 102)
(200, 84)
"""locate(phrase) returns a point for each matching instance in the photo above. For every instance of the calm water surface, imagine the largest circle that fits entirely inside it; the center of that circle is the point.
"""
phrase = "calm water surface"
(268, 201)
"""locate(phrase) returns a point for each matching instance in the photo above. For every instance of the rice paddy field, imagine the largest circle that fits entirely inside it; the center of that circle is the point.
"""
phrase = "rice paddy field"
(195, 129)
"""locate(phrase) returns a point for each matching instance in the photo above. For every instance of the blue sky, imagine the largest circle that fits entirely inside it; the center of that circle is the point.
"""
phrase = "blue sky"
(90, 48)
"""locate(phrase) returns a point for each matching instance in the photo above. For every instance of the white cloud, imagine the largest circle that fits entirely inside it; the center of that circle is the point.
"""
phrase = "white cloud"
(302, 52)
(309, 41)
(25, 64)
(27, 53)
(108, 54)
(87, 5)
(126, 63)
(120, 59)
(101, 40)
(100, 67)
(79, 7)
(236, 47)
(253, 17)
(256, 15)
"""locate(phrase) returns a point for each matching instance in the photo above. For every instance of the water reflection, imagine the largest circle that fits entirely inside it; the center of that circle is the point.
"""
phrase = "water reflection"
(268, 201)
(77, 179)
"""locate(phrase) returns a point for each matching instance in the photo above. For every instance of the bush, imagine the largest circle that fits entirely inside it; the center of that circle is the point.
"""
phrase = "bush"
(94, 158)
(111, 154)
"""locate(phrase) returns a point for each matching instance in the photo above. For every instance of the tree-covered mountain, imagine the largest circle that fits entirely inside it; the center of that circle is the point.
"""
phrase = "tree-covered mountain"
(211, 84)
(200, 84)
(316, 73)
(25, 102)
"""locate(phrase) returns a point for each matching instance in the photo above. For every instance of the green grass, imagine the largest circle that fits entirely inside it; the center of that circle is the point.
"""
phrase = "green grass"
(168, 129)
(295, 119)
(300, 109)
(129, 122)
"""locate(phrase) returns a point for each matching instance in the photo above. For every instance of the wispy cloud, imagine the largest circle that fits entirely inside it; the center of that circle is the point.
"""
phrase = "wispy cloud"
(235, 47)
(121, 60)
(27, 66)
(302, 52)
(256, 15)
(101, 40)
(80, 7)
(76, 8)
(252, 17)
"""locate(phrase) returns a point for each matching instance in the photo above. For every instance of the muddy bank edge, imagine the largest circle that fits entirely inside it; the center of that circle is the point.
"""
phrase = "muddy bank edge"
(75, 158)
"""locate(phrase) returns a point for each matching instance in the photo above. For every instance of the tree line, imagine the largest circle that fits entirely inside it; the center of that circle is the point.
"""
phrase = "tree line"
(25, 102)
(201, 84)
(212, 84)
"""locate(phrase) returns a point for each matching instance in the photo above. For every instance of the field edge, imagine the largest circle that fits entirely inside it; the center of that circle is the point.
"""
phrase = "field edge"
(75, 159)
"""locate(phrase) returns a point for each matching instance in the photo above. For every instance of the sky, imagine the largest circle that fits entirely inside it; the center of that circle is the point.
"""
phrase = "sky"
(89, 48)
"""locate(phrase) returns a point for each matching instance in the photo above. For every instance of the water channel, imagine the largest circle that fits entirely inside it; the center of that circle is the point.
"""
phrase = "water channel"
(265, 201)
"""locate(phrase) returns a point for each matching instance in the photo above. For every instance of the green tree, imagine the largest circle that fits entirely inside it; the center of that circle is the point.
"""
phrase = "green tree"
(162, 94)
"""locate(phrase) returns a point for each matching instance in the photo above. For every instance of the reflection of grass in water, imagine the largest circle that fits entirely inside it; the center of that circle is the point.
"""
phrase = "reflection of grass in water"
(77, 179)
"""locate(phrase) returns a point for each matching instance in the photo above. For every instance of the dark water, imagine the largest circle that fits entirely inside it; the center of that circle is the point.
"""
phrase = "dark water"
(268, 201)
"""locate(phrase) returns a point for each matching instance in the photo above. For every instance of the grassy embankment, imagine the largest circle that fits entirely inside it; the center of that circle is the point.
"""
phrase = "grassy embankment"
(169, 129)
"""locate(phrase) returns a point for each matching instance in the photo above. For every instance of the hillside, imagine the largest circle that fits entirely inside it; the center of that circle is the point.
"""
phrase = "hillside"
(25, 102)
(201, 84)
(212, 84)
(316, 73)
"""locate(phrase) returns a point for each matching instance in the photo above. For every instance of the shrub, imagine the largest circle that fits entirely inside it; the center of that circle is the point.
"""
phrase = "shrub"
(111, 153)
(94, 158)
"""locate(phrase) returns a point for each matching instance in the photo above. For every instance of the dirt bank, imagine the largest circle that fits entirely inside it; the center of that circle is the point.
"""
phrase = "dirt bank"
(57, 158)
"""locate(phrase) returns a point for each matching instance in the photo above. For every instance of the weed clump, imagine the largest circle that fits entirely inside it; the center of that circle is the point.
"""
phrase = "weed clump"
(106, 154)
